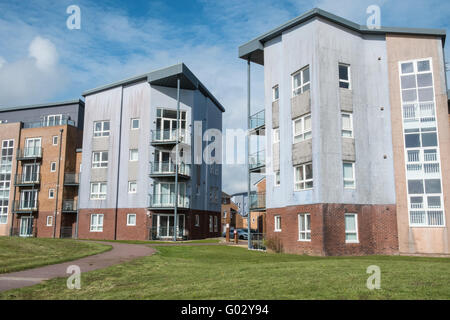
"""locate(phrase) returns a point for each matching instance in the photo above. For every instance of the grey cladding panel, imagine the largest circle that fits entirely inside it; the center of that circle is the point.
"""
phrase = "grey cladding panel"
(276, 156)
(302, 152)
(348, 149)
(100, 143)
(346, 99)
(275, 114)
(99, 174)
(301, 104)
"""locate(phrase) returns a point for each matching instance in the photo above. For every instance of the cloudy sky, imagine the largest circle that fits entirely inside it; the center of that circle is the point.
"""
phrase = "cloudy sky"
(41, 60)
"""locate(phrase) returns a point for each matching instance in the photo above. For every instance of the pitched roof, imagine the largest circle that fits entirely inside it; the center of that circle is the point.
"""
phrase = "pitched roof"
(253, 49)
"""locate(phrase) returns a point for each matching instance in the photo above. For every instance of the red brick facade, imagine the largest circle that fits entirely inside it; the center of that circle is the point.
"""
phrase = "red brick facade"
(377, 229)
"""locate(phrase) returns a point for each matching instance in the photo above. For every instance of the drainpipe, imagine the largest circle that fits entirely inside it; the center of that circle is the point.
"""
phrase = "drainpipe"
(175, 212)
(55, 215)
(118, 167)
(14, 195)
(248, 154)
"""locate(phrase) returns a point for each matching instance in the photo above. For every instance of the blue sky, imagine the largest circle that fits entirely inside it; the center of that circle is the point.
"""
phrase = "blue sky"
(41, 60)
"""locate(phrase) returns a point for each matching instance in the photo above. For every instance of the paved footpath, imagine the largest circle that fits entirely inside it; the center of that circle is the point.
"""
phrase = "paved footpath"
(119, 253)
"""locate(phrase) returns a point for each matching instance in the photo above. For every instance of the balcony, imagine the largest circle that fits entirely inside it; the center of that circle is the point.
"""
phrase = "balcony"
(422, 163)
(165, 233)
(257, 121)
(69, 206)
(257, 201)
(26, 206)
(72, 179)
(167, 201)
(29, 153)
(257, 161)
(167, 169)
(423, 113)
(49, 123)
(27, 180)
(168, 137)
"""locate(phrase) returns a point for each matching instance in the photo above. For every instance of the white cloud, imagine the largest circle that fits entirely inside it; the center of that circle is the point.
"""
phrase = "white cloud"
(2, 61)
(44, 51)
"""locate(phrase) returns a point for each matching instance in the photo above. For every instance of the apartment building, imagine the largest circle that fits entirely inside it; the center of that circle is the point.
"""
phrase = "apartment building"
(137, 186)
(39, 167)
(358, 137)
(230, 216)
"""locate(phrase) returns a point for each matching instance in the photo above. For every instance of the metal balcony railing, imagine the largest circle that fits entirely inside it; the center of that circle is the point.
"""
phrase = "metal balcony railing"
(26, 205)
(257, 200)
(257, 120)
(419, 112)
(27, 179)
(165, 233)
(167, 201)
(71, 179)
(160, 136)
(49, 123)
(29, 153)
(168, 169)
(69, 205)
(257, 159)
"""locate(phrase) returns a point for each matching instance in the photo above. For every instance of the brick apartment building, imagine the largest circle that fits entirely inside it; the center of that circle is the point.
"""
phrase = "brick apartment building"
(39, 166)
(358, 137)
(131, 186)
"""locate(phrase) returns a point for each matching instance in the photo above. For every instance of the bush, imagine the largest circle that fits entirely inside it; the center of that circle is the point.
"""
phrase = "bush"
(274, 244)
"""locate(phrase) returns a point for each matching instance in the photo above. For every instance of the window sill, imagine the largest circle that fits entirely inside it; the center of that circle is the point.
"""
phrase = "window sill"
(350, 242)
(302, 240)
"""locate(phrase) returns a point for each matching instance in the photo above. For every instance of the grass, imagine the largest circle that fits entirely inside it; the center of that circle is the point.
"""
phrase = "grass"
(222, 272)
(24, 253)
(163, 242)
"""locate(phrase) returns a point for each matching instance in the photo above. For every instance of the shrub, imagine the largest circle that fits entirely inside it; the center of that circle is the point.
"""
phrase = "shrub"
(274, 244)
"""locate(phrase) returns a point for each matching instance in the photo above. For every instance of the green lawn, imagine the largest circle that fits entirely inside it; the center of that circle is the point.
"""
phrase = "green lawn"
(221, 272)
(24, 253)
(163, 242)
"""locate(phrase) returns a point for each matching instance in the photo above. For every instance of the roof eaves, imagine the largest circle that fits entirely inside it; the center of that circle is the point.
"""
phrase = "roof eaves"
(42, 105)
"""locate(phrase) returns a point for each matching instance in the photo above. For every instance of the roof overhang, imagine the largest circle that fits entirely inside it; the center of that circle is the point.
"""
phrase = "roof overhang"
(254, 49)
(43, 105)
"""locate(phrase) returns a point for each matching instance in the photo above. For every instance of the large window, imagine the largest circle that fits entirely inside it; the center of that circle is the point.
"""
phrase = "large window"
(277, 178)
(302, 128)
(300, 81)
(303, 177)
(166, 125)
(96, 222)
(304, 227)
(276, 93)
(98, 190)
(5, 178)
(101, 128)
(351, 228)
(344, 76)
(347, 124)
(211, 224)
(349, 174)
(277, 224)
(99, 159)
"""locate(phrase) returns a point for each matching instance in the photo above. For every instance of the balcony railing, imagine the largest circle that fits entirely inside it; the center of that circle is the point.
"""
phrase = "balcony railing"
(168, 169)
(71, 179)
(257, 160)
(257, 120)
(160, 233)
(29, 153)
(422, 162)
(49, 123)
(27, 179)
(26, 205)
(427, 218)
(257, 200)
(167, 201)
(169, 136)
(419, 112)
(69, 205)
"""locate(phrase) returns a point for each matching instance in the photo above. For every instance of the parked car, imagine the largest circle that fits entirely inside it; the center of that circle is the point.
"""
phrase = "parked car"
(242, 234)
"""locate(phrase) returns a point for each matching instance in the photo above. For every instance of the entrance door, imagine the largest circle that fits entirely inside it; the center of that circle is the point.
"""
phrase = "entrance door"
(26, 226)
(165, 225)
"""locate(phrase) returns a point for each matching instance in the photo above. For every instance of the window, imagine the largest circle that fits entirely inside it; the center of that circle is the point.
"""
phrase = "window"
(135, 123)
(302, 128)
(300, 81)
(344, 76)
(277, 178)
(52, 166)
(276, 135)
(349, 174)
(216, 224)
(53, 120)
(276, 93)
(55, 140)
(101, 129)
(131, 219)
(303, 177)
(98, 190)
(51, 193)
(100, 159)
(210, 223)
(134, 154)
(351, 228)
(49, 221)
(197, 220)
(7, 151)
(304, 227)
(277, 225)
(96, 222)
(132, 187)
(347, 124)
(225, 214)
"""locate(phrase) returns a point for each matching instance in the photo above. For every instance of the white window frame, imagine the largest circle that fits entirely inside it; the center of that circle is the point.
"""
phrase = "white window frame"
(275, 88)
(304, 181)
(98, 195)
(49, 224)
(129, 186)
(350, 129)
(211, 224)
(303, 132)
(300, 89)
(276, 135)
(128, 219)
(197, 220)
(102, 132)
(352, 231)
(349, 81)
(49, 192)
(101, 163)
(303, 234)
(53, 140)
(353, 173)
(277, 223)
(131, 153)
(51, 166)
(277, 178)
(132, 123)
(96, 226)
